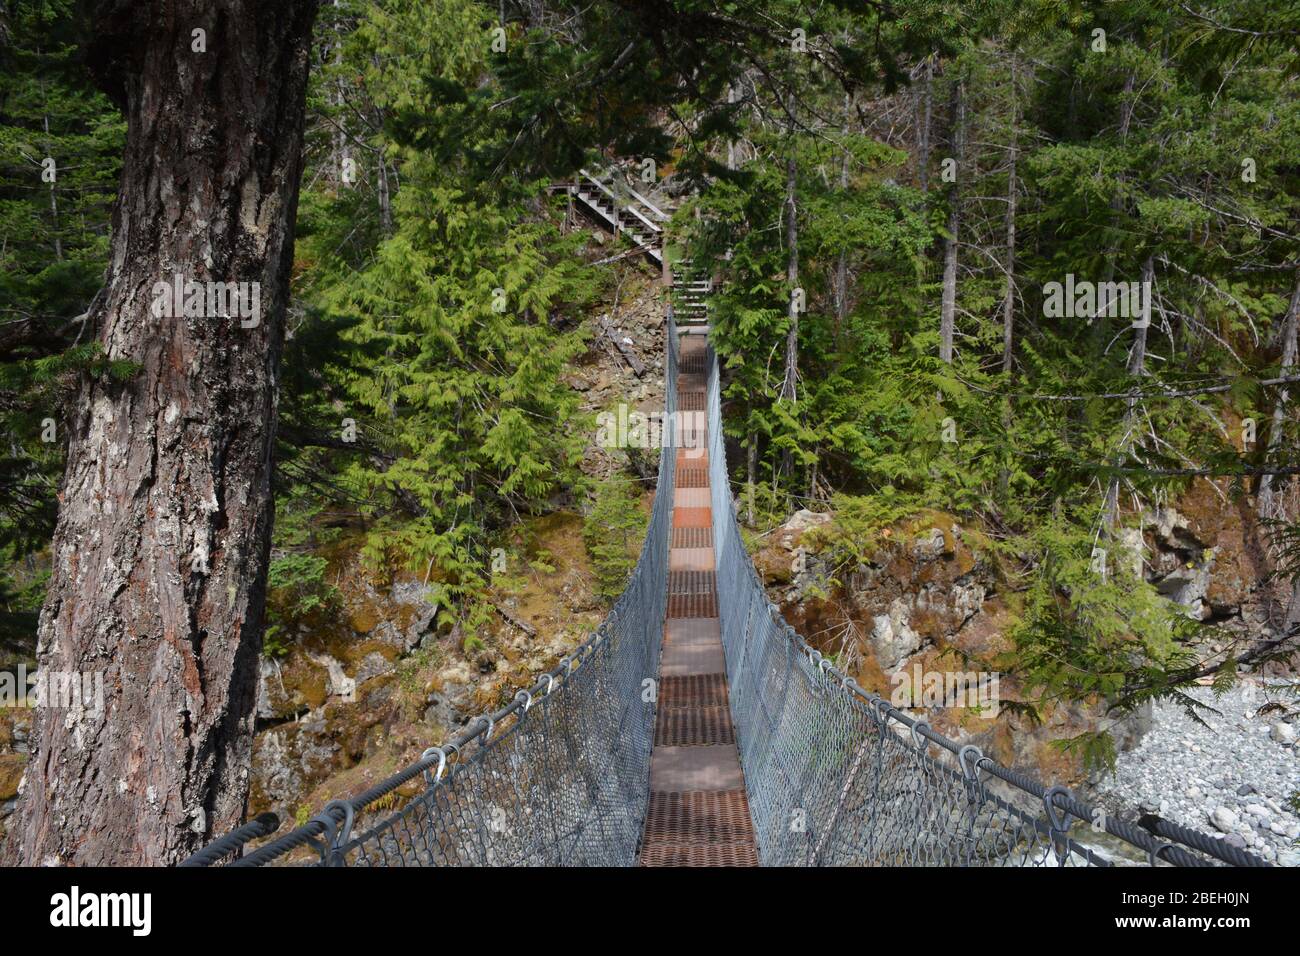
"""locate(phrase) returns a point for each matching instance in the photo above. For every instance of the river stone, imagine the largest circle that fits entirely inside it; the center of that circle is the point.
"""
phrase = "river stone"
(1223, 819)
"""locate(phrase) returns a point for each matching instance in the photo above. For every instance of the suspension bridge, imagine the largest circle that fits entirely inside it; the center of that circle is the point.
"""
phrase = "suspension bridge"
(696, 728)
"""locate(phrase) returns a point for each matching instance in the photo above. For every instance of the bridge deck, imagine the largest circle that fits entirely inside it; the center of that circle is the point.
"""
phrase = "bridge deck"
(698, 813)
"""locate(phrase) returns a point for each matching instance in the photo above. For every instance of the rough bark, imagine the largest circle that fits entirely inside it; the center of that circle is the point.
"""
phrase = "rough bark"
(160, 554)
(1270, 500)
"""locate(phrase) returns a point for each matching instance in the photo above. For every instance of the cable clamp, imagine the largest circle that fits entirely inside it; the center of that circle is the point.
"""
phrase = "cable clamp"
(442, 764)
(919, 742)
(1058, 828)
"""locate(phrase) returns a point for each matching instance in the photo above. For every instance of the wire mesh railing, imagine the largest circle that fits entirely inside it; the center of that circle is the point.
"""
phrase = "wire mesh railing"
(834, 775)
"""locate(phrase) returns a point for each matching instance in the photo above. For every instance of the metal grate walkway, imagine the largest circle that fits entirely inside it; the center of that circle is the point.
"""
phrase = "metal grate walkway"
(698, 813)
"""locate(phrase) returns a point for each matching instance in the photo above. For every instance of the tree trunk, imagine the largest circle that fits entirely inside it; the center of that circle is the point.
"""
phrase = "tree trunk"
(385, 200)
(1008, 304)
(161, 549)
(1266, 499)
(731, 143)
(1137, 359)
(1269, 500)
(1101, 328)
(751, 476)
(385, 189)
(342, 150)
(923, 135)
(1009, 301)
(54, 202)
(1137, 366)
(842, 260)
(948, 309)
(789, 389)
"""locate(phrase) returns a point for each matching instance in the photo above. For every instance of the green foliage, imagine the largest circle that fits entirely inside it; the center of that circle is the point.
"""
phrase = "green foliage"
(299, 593)
(1122, 158)
(1092, 628)
(56, 231)
(613, 532)
(54, 226)
(438, 313)
(1095, 749)
(842, 402)
(296, 588)
(1284, 536)
(859, 529)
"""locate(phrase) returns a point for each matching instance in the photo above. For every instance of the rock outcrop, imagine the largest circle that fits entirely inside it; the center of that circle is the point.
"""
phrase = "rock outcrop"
(390, 673)
(929, 602)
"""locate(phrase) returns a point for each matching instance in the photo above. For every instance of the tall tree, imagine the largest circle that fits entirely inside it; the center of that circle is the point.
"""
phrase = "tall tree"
(790, 383)
(1009, 297)
(162, 540)
(948, 309)
(1266, 498)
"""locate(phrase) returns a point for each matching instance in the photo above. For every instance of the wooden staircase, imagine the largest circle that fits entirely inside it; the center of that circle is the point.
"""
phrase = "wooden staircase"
(624, 212)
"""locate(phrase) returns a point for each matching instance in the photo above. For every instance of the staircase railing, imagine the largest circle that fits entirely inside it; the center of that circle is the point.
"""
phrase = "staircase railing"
(646, 234)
